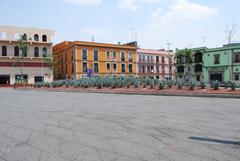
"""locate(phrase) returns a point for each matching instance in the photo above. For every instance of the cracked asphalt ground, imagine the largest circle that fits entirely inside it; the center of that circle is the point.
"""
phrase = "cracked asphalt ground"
(49, 126)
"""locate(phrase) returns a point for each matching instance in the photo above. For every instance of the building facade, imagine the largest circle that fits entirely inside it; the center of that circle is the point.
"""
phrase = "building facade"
(193, 71)
(76, 59)
(29, 68)
(222, 64)
(155, 63)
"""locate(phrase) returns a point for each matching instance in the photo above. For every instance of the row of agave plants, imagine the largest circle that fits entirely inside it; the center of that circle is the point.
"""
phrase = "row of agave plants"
(120, 82)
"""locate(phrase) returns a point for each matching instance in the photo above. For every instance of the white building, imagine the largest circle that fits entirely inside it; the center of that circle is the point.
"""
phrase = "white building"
(32, 67)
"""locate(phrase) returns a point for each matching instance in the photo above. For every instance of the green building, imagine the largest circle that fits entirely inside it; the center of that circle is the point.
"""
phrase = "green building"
(222, 64)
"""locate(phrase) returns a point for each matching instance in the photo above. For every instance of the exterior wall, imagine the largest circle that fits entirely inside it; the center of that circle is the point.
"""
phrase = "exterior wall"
(63, 55)
(30, 65)
(164, 67)
(31, 72)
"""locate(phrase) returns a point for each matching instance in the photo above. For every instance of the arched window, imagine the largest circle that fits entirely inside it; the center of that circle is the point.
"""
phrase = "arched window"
(4, 50)
(44, 52)
(16, 51)
(36, 37)
(44, 38)
(36, 52)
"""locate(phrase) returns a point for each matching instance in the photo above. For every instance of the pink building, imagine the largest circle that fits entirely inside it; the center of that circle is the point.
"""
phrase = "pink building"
(155, 63)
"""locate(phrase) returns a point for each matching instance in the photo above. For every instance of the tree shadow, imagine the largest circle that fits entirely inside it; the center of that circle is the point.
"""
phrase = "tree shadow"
(226, 142)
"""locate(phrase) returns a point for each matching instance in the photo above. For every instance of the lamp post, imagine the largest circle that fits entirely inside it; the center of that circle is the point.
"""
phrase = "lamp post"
(169, 58)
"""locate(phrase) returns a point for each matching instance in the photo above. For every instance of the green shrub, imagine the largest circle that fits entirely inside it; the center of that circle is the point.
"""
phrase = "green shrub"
(216, 85)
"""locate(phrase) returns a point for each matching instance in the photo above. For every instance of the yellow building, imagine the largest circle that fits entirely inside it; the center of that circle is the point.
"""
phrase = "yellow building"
(74, 59)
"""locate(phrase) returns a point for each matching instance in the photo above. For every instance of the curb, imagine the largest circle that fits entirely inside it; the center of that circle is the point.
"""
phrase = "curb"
(137, 93)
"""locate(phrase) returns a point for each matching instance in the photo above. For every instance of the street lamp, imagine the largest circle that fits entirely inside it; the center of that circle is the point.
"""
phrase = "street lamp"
(169, 58)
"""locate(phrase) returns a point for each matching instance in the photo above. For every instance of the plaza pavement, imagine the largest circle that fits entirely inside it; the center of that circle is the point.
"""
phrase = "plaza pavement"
(52, 126)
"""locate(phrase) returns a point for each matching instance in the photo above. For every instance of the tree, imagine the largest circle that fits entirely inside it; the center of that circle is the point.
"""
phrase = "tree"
(23, 47)
(189, 64)
(230, 32)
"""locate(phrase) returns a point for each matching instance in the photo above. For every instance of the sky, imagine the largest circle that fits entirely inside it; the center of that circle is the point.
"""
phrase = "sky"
(153, 23)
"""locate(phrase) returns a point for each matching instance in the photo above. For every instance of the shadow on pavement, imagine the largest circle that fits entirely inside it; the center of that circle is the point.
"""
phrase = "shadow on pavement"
(227, 142)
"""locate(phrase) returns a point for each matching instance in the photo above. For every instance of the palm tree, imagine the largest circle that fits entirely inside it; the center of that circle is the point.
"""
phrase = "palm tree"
(189, 64)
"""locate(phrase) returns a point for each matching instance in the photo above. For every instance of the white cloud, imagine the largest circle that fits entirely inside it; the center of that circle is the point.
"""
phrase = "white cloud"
(95, 31)
(191, 10)
(132, 4)
(84, 2)
(182, 23)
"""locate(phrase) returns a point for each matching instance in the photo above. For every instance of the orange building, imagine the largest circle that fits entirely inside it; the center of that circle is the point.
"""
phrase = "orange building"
(74, 59)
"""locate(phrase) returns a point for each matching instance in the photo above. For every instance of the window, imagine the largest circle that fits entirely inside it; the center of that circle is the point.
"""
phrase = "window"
(44, 52)
(217, 59)
(139, 68)
(95, 55)
(123, 68)
(36, 52)
(148, 59)
(152, 69)
(72, 56)
(157, 59)
(66, 68)
(170, 60)
(170, 70)
(36, 37)
(143, 58)
(148, 69)
(16, 51)
(108, 66)
(84, 67)
(44, 38)
(237, 77)
(115, 66)
(151, 59)
(21, 78)
(108, 55)
(122, 56)
(130, 70)
(95, 67)
(84, 54)
(4, 50)
(130, 57)
(143, 69)
(72, 67)
(237, 58)
(163, 69)
(38, 79)
(163, 60)
(140, 58)
(157, 69)
(114, 54)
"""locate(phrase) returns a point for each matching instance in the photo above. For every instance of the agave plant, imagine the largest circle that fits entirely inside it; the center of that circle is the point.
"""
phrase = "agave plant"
(202, 84)
(170, 83)
(192, 85)
(152, 84)
(216, 85)
(233, 85)
(136, 83)
(180, 84)
(160, 85)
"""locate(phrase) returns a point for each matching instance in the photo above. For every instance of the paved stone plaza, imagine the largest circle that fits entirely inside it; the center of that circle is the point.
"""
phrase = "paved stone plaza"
(48, 126)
